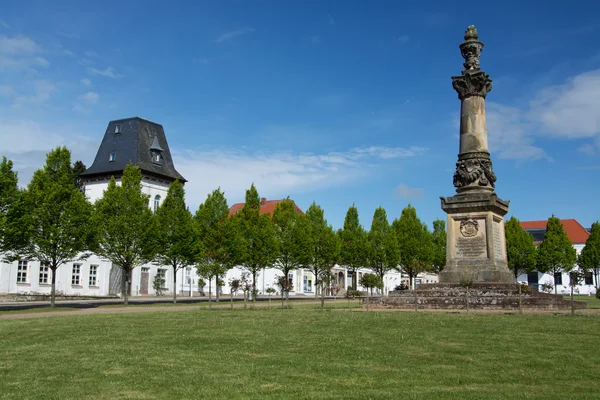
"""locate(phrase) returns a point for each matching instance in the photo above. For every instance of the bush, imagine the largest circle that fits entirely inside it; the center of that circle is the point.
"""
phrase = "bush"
(157, 284)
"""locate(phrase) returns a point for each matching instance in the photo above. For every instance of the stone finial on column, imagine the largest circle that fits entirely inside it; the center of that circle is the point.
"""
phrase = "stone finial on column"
(473, 81)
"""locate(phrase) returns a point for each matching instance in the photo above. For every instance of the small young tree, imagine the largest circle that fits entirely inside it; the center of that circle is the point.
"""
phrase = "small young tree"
(285, 285)
(270, 291)
(520, 249)
(292, 234)
(370, 282)
(324, 249)
(556, 253)
(177, 243)
(353, 243)
(158, 284)
(125, 228)
(438, 237)
(415, 243)
(234, 286)
(259, 246)
(589, 258)
(55, 228)
(9, 193)
(247, 286)
(382, 247)
(209, 271)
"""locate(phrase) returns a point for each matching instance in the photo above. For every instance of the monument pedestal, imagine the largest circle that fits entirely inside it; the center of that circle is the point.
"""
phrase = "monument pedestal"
(476, 244)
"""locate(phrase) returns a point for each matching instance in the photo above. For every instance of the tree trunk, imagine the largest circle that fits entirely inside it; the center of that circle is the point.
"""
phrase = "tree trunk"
(174, 284)
(596, 277)
(572, 300)
(126, 286)
(217, 289)
(231, 291)
(520, 299)
(209, 294)
(254, 291)
(367, 299)
(269, 301)
(554, 278)
(415, 294)
(53, 289)
(322, 298)
(245, 299)
(282, 299)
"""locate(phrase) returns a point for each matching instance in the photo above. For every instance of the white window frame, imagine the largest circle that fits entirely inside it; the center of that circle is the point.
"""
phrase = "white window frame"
(45, 275)
(76, 275)
(117, 129)
(23, 272)
(93, 279)
(156, 202)
(163, 272)
(112, 157)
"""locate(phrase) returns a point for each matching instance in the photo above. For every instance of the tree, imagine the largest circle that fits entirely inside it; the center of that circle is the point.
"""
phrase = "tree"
(438, 237)
(353, 243)
(415, 243)
(9, 193)
(218, 238)
(324, 250)
(383, 253)
(55, 227)
(234, 286)
(258, 248)
(556, 253)
(589, 258)
(370, 282)
(176, 240)
(520, 249)
(125, 228)
(292, 235)
(78, 168)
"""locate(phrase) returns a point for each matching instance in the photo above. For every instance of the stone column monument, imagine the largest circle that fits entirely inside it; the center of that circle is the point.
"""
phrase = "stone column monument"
(476, 245)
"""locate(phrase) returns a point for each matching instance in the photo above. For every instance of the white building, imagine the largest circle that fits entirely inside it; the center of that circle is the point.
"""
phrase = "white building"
(578, 236)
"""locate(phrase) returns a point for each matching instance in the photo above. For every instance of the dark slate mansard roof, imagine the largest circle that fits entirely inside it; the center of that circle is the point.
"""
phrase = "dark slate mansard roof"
(135, 142)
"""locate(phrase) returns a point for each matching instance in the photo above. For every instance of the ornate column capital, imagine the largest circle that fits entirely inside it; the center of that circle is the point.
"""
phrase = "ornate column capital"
(473, 81)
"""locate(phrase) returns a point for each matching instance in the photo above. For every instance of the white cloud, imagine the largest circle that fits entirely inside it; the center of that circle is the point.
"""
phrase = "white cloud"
(86, 82)
(18, 45)
(90, 97)
(275, 174)
(406, 192)
(227, 36)
(403, 39)
(109, 72)
(42, 90)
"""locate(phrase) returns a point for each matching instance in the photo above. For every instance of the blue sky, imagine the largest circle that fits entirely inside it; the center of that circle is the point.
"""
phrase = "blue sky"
(339, 102)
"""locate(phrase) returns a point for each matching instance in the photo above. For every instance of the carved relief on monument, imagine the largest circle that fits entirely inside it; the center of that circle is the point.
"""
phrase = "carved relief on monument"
(470, 239)
(474, 170)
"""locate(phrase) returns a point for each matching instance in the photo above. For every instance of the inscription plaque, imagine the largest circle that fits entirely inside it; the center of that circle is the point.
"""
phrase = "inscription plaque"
(498, 253)
(471, 247)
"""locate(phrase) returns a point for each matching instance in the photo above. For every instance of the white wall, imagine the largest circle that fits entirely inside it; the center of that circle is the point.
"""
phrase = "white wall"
(94, 190)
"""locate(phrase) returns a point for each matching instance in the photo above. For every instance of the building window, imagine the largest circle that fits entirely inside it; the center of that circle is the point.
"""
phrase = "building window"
(93, 275)
(307, 283)
(557, 279)
(156, 157)
(76, 275)
(188, 276)
(117, 129)
(22, 270)
(532, 278)
(112, 157)
(589, 278)
(44, 274)
(156, 202)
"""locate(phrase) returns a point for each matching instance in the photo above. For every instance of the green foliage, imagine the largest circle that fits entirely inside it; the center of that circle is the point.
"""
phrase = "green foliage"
(78, 168)
(293, 238)
(520, 249)
(414, 241)
(438, 237)
(589, 258)
(54, 226)
(353, 252)
(125, 226)
(257, 247)
(371, 281)
(176, 240)
(556, 253)
(9, 193)
(158, 284)
(324, 251)
(382, 246)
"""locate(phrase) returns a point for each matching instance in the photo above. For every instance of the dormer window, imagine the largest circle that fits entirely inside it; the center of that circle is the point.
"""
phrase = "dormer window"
(117, 129)
(112, 157)
(156, 151)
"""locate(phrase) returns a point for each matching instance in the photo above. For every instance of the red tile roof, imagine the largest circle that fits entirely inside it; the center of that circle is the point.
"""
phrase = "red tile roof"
(575, 231)
(266, 207)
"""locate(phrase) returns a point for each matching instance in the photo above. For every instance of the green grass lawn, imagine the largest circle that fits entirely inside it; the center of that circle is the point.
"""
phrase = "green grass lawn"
(300, 353)
(592, 301)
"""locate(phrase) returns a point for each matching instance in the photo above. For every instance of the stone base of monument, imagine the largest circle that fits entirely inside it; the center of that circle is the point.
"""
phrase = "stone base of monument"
(482, 296)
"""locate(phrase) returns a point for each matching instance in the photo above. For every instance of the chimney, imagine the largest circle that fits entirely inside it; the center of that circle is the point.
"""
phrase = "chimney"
(263, 201)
